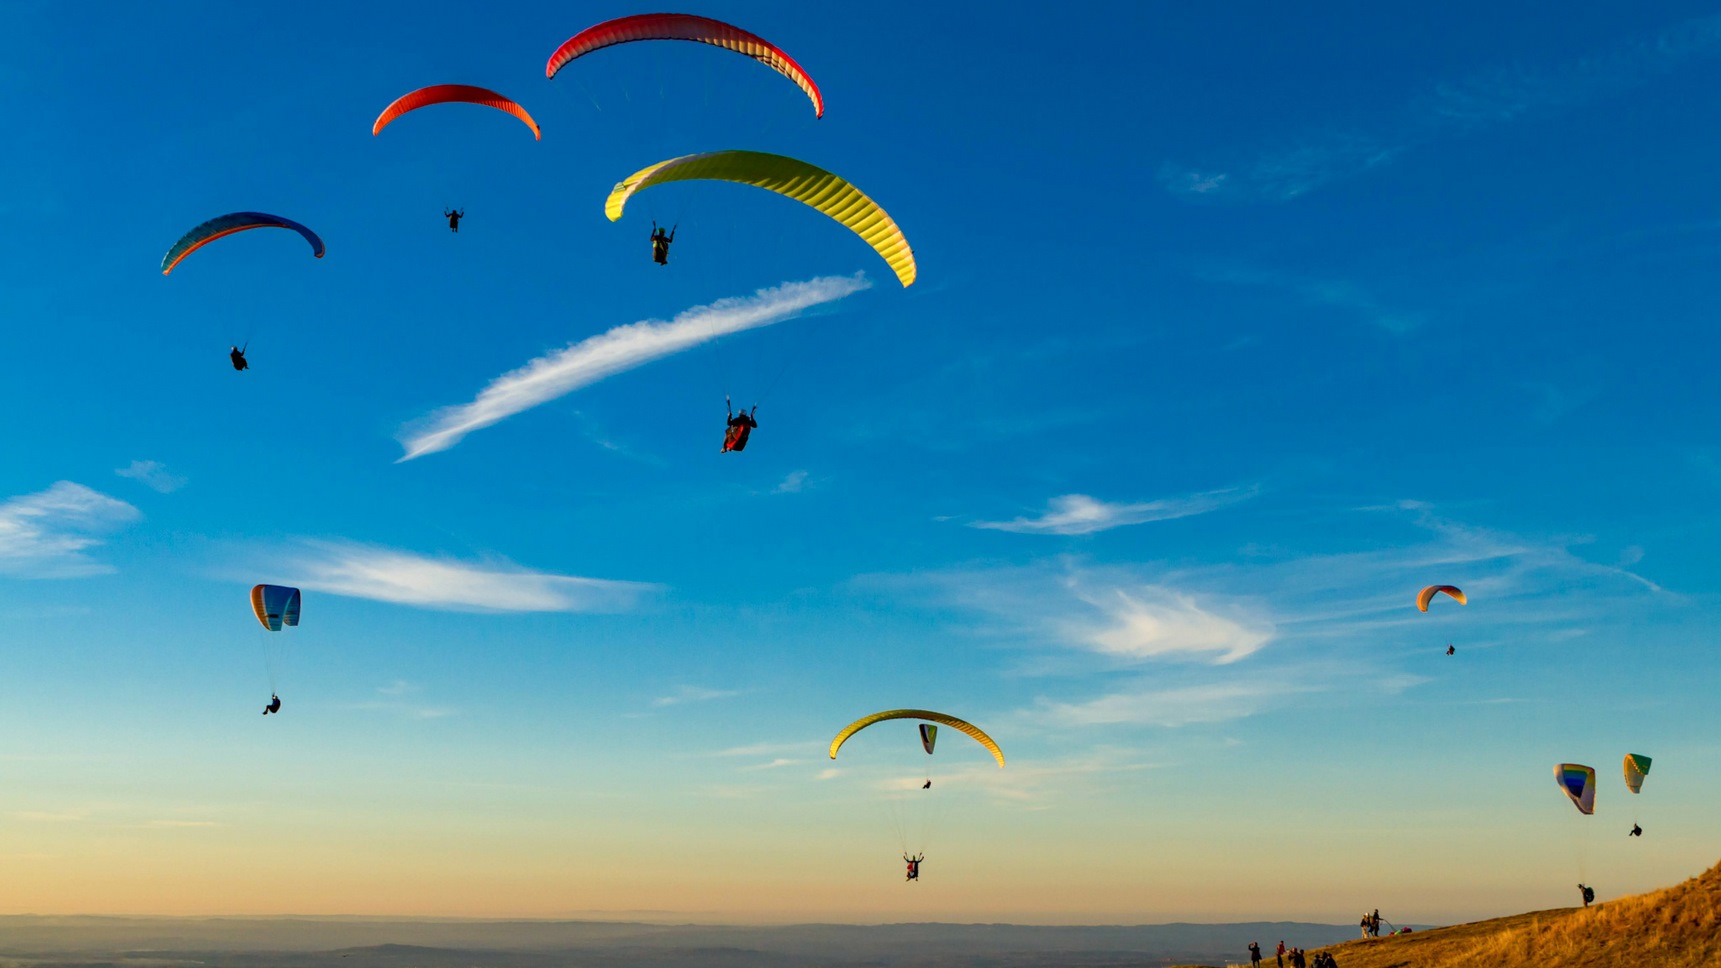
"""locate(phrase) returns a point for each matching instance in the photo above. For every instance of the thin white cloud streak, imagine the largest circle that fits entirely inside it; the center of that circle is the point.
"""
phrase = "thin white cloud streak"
(44, 535)
(177, 824)
(52, 816)
(403, 709)
(792, 483)
(1074, 514)
(394, 701)
(1027, 784)
(446, 584)
(1483, 99)
(770, 749)
(1208, 703)
(622, 348)
(153, 475)
(686, 694)
(1325, 293)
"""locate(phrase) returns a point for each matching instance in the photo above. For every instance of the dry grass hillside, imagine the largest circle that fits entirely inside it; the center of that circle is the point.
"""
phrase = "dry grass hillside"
(1678, 927)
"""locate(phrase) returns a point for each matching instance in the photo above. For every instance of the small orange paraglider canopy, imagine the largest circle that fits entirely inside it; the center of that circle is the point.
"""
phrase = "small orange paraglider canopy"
(1427, 595)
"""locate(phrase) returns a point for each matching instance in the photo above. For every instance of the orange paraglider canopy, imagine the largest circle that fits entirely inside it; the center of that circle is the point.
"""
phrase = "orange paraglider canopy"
(452, 94)
(1427, 595)
(686, 26)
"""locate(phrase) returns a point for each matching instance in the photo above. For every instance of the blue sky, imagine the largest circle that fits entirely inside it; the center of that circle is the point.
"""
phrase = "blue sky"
(1233, 329)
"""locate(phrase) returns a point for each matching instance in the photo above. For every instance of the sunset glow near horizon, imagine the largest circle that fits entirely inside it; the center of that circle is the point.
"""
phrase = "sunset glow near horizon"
(1233, 329)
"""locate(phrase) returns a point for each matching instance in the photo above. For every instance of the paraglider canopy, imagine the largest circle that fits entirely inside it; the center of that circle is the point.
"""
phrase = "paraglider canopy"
(275, 606)
(928, 737)
(1427, 595)
(452, 94)
(1636, 768)
(808, 184)
(927, 714)
(1579, 783)
(225, 225)
(683, 26)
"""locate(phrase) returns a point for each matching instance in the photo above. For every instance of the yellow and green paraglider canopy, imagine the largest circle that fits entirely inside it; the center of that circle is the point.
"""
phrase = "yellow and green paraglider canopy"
(1636, 768)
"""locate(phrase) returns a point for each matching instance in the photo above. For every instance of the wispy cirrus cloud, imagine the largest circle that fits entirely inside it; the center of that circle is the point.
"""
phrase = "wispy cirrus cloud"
(1262, 629)
(176, 824)
(449, 584)
(52, 816)
(1213, 702)
(45, 535)
(394, 697)
(1074, 514)
(1117, 612)
(622, 348)
(1153, 621)
(773, 749)
(153, 475)
(687, 694)
(1345, 296)
(1450, 108)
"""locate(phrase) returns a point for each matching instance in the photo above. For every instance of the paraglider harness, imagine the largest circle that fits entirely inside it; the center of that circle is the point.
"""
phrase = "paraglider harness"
(454, 216)
(274, 705)
(914, 865)
(660, 243)
(237, 355)
(1589, 894)
(740, 427)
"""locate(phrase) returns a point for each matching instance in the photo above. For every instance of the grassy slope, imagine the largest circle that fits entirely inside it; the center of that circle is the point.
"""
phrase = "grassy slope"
(1678, 927)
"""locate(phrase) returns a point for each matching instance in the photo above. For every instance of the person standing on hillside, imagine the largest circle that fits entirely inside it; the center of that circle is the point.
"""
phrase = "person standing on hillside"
(1589, 894)
(1280, 954)
(1255, 954)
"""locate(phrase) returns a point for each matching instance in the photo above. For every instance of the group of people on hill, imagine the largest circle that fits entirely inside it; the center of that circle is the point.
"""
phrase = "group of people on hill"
(1294, 957)
(1370, 924)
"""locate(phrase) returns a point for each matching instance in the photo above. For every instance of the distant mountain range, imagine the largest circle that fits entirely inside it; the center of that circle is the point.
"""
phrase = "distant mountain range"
(307, 942)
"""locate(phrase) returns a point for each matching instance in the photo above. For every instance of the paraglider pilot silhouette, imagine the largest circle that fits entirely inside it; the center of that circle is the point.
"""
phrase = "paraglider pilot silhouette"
(274, 705)
(453, 216)
(237, 355)
(740, 427)
(660, 242)
(914, 865)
